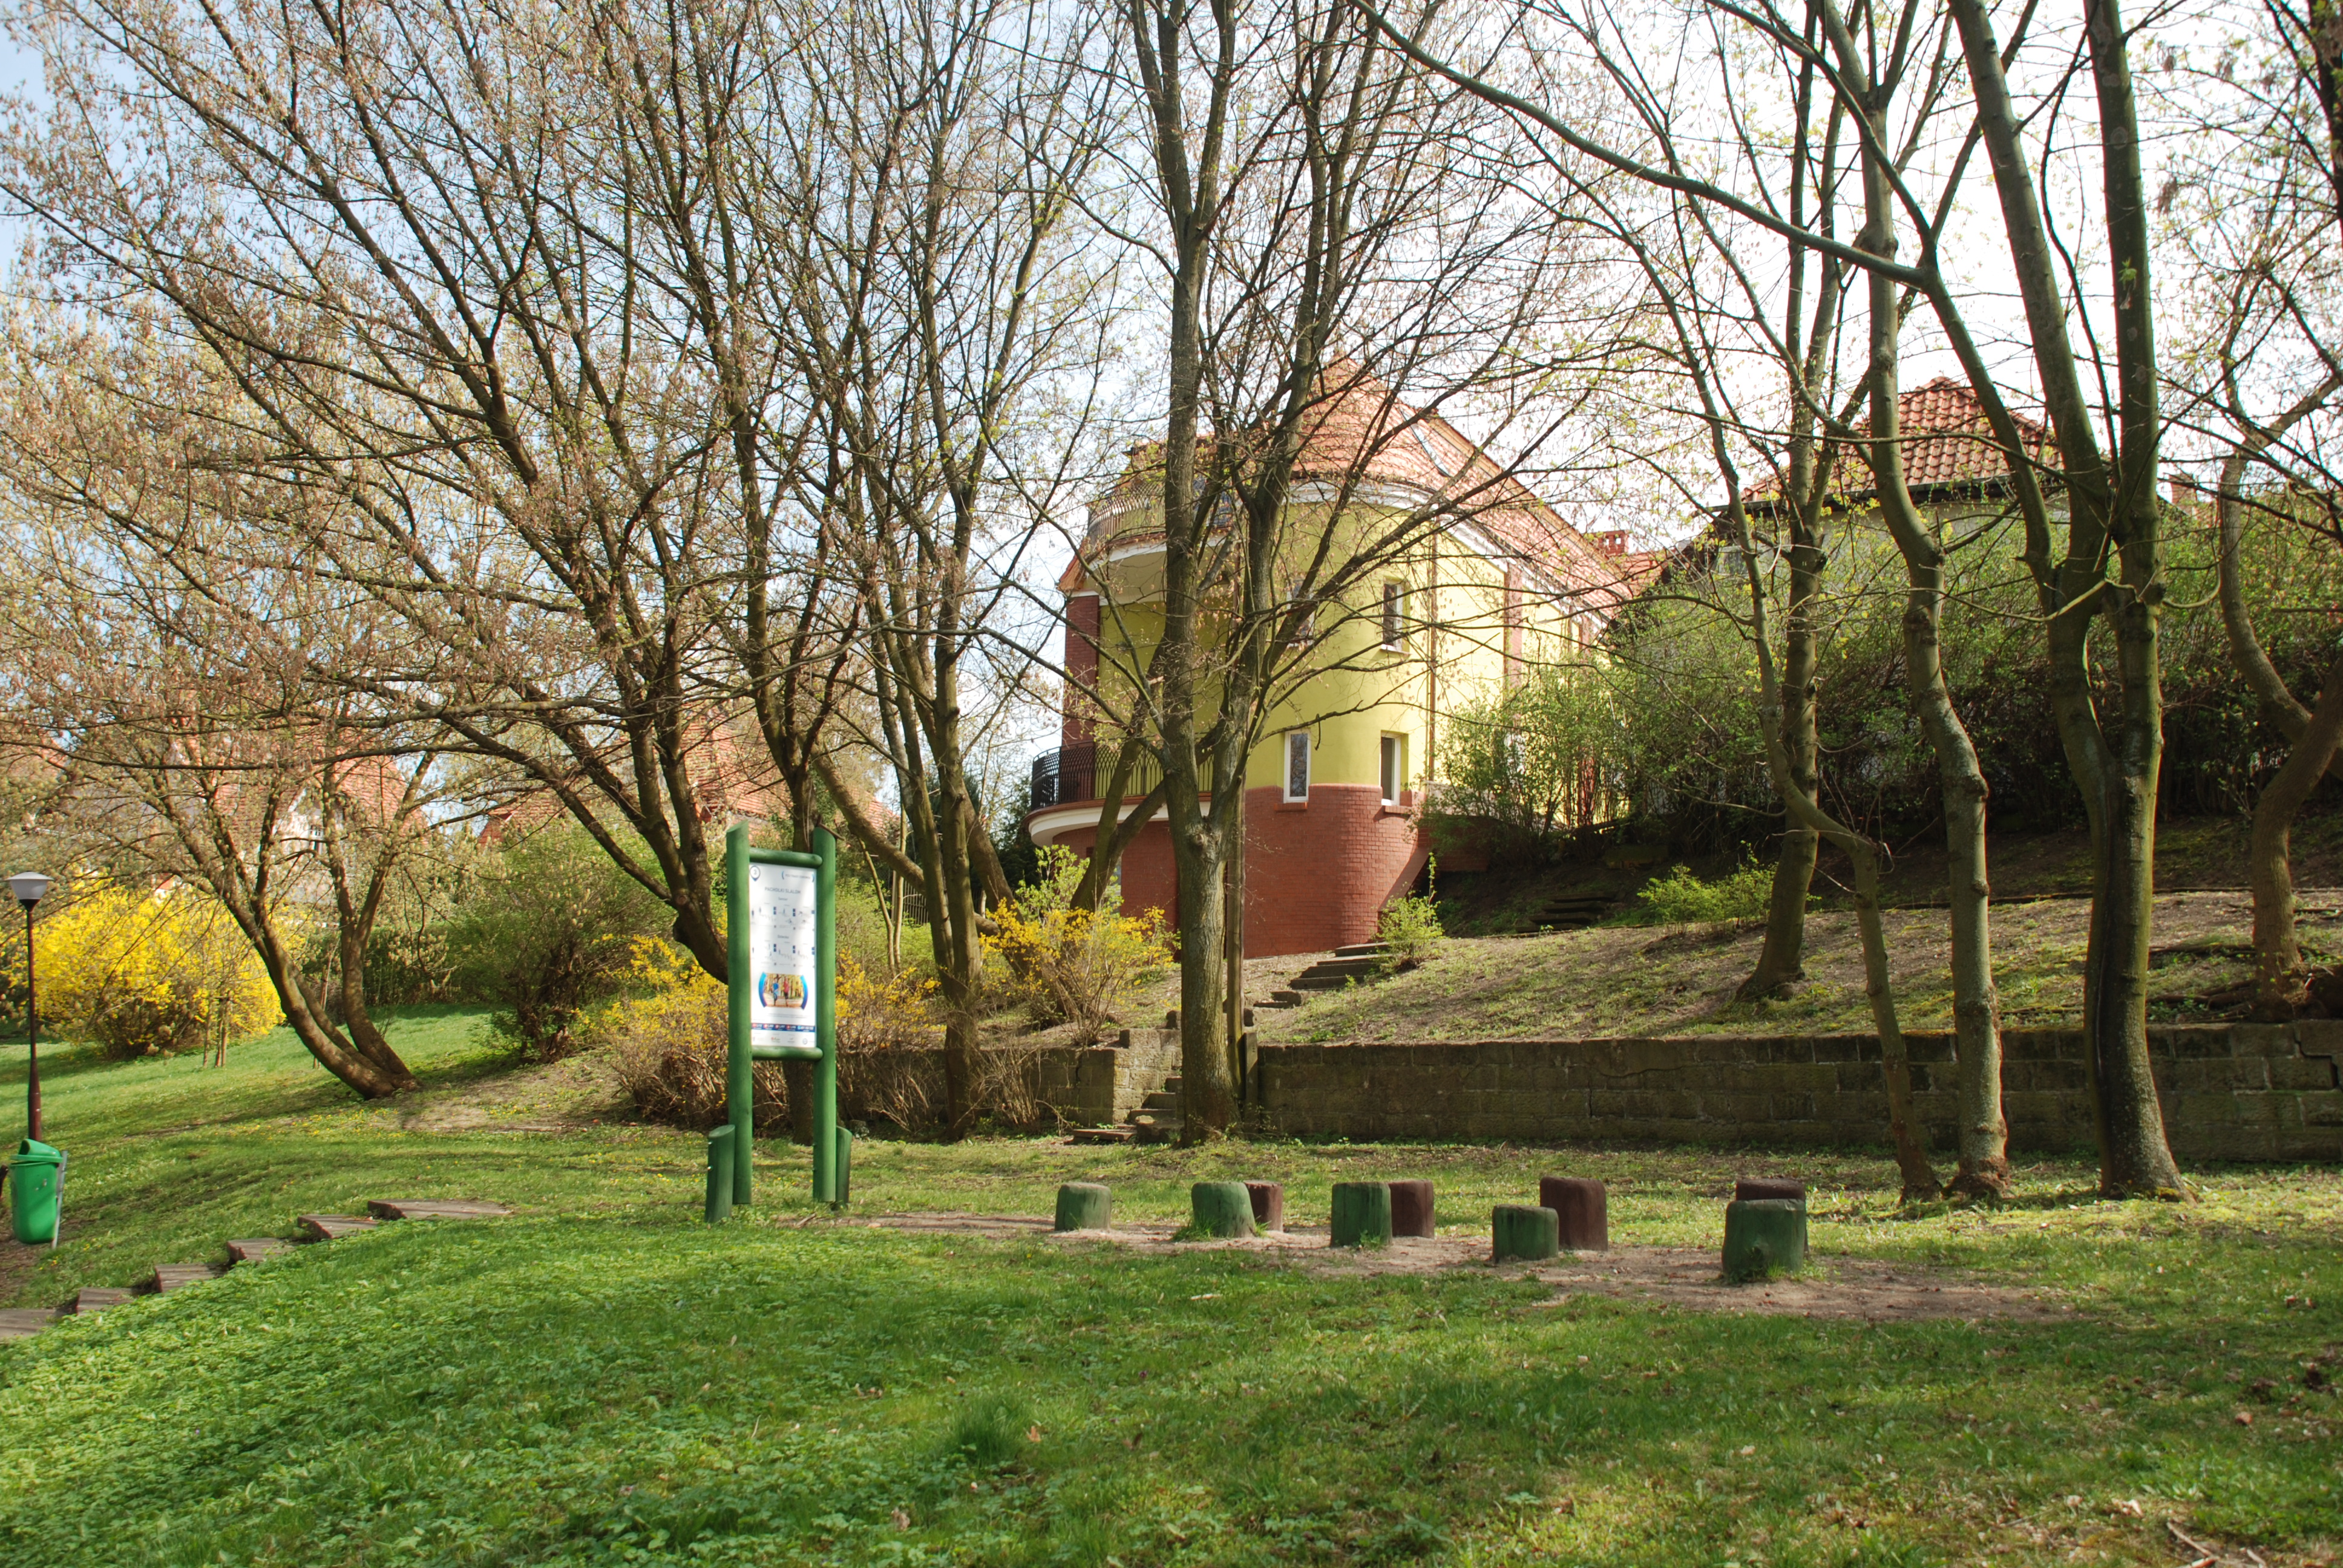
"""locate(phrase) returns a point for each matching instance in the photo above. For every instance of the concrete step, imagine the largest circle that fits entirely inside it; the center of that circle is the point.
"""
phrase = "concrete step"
(96, 1299)
(435, 1208)
(1363, 950)
(1161, 1104)
(1103, 1135)
(326, 1227)
(251, 1249)
(1147, 1129)
(1287, 997)
(20, 1322)
(170, 1277)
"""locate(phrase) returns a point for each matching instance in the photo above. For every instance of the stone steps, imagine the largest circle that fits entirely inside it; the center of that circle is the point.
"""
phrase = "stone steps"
(168, 1277)
(1573, 912)
(15, 1322)
(331, 1227)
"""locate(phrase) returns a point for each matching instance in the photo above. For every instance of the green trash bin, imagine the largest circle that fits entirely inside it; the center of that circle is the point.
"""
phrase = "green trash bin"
(35, 1176)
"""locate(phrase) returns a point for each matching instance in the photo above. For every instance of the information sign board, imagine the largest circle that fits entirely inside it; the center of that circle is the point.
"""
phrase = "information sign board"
(782, 954)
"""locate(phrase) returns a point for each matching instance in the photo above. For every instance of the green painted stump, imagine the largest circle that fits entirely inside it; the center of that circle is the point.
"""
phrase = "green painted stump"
(1085, 1206)
(1764, 1236)
(1220, 1209)
(1268, 1204)
(1522, 1232)
(1361, 1216)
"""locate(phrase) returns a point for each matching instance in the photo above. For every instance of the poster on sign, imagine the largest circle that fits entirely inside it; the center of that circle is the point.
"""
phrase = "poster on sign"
(781, 954)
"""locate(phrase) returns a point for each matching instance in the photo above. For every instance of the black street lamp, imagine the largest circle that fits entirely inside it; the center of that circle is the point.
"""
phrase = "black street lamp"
(30, 888)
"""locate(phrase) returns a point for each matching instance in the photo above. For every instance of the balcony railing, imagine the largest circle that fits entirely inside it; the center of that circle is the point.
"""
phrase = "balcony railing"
(1064, 776)
(1071, 774)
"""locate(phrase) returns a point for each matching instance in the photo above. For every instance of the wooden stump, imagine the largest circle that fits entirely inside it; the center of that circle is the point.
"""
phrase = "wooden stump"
(1084, 1206)
(1220, 1209)
(1411, 1208)
(1361, 1216)
(1764, 1236)
(1268, 1204)
(1581, 1204)
(1519, 1232)
(1764, 1188)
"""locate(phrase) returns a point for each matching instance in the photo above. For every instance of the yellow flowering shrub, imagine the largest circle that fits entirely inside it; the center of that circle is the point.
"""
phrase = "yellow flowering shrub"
(141, 973)
(1070, 965)
(670, 1044)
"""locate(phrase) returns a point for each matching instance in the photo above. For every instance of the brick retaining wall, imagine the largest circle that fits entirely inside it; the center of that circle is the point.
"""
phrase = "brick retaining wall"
(2233, 1091)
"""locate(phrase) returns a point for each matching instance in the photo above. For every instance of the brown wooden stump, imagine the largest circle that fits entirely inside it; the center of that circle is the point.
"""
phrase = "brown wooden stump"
(1268, 1204)
(1581, 1204)
(1766, 1188)
(1411, 1208)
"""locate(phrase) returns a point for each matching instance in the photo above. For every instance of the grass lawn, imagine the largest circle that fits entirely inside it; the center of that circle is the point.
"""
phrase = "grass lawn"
(601, 1379)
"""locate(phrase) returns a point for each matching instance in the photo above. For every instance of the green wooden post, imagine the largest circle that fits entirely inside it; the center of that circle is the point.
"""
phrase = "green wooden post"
(827, 1186)
(740, 1070)
(720, 1168)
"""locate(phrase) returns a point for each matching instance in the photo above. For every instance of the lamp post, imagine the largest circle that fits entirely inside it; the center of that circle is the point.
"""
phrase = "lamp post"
(30, 888)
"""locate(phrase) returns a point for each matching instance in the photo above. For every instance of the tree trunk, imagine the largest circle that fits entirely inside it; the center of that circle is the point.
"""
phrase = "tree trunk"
(1894, 1062)
(2278, 972)
(1207, 1095)
(1782, 960)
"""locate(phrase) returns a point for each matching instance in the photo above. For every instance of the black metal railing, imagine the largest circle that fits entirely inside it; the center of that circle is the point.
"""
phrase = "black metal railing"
(1063, 776)
(1075, 773)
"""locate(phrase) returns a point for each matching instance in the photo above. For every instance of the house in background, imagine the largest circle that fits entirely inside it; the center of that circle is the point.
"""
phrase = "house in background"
(1335, 784)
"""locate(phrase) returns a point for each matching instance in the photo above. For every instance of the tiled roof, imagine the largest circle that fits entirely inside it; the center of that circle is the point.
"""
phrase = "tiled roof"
(1947, 444)
(1359, 432)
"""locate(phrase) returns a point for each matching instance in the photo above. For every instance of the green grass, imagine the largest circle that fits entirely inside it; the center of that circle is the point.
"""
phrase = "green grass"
(601, 1379)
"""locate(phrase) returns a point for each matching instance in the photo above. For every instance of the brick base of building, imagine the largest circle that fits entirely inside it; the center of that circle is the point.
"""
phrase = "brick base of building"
(1317, 873)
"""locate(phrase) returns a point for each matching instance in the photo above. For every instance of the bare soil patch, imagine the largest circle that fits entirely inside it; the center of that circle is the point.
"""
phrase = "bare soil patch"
(1854, 1289)
(564, 1097)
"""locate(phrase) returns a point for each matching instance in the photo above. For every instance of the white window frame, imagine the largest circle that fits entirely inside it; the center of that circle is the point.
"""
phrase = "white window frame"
(1293, 739)
(1391, 757)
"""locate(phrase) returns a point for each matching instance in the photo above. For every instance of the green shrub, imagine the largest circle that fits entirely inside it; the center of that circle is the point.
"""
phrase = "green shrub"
(1409, 928)
(1682, 898)
(549, 928)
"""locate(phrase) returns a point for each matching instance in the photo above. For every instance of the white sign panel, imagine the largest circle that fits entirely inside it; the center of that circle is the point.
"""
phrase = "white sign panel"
(781, 954)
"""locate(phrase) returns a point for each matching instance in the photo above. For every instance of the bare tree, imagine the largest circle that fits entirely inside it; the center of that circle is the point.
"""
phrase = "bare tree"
(177, 680)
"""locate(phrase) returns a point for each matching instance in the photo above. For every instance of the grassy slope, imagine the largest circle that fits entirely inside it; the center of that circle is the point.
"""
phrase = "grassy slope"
(602, 1380)
(1644, 981)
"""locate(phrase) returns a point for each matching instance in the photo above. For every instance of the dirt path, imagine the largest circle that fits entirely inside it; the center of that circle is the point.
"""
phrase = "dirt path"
(1841, 1288)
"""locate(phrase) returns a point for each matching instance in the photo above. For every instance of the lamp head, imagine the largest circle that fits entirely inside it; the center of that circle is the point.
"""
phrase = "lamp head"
(30, 888)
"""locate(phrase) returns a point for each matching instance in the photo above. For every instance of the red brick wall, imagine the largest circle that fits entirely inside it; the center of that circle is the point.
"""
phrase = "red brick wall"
(1316, 876)
(1081, 667)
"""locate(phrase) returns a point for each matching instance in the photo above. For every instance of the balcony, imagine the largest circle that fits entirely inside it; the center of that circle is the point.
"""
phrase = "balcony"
(1072, 774)
(1064, 776)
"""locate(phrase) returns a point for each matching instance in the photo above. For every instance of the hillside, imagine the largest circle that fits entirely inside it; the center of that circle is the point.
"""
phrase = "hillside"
(1680, 979)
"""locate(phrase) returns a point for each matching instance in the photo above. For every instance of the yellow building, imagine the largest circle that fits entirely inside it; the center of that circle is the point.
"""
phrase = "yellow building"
(1481, 580)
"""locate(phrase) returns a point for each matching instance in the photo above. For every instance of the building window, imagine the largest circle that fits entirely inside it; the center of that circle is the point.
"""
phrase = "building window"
(1394, 613)
(1395, 768)
(1297, 765)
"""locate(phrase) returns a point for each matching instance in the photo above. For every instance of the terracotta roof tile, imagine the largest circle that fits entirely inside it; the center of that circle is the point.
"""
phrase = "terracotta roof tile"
(1359, 432)
(1948, 443)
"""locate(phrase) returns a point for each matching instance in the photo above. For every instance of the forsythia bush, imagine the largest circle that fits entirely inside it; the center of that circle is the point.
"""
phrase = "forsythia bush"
(141, 973)
(670, 1042)
(1070, 965)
